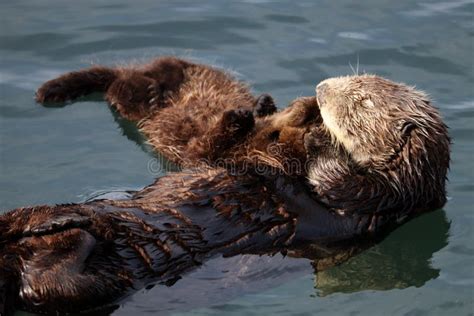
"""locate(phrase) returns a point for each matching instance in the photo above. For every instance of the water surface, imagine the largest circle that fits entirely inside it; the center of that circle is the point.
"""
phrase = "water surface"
(71, 154)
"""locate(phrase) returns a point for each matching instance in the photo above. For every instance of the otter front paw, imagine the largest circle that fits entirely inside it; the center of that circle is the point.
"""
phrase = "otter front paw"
(317, 140)
(264, 106)
(237, 122)
(232, 129)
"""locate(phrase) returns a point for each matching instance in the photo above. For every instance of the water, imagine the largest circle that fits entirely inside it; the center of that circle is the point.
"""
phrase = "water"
(71, 154)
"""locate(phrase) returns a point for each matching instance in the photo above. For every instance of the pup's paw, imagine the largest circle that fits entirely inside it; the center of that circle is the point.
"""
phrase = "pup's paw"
(239, 121)
(264, 106)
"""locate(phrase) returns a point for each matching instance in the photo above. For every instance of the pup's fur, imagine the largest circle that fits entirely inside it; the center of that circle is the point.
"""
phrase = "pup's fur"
(193, 113)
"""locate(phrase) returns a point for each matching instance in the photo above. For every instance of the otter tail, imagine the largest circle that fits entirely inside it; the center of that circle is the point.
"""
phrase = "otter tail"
(76, 84)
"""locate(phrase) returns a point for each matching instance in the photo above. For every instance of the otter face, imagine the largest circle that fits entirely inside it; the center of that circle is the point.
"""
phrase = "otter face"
(371, 116)
(389, 148)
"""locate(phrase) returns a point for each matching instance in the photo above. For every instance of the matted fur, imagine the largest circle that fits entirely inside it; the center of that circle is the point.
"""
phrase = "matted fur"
(75, 257)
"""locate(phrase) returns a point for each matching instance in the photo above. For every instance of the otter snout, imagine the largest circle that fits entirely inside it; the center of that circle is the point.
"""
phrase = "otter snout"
(321, 90)
(322, 87)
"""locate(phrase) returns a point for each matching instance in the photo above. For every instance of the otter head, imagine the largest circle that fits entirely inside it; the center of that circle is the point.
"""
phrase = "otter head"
(390, 133)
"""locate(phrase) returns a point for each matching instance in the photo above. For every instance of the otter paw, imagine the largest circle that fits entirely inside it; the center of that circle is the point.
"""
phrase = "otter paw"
(264, 106)
(54, 92)
(238, 121)
(316, 140)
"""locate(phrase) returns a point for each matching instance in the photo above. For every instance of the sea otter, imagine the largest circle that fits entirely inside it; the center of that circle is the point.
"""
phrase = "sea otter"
(193, 113)
(103, 249)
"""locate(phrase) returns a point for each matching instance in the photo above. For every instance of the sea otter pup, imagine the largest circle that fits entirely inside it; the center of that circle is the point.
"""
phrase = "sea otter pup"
(193, 113)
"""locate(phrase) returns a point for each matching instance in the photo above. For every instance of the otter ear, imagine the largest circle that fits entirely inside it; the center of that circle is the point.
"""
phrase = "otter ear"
(406, 127)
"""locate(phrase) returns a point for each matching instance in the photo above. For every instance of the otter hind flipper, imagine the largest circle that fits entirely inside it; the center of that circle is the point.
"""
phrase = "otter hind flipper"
(58, 260)
(138, 92)
(75, 84)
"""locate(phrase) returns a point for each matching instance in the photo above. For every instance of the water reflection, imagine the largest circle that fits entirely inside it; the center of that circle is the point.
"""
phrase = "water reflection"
(130, 130)
(402, 260)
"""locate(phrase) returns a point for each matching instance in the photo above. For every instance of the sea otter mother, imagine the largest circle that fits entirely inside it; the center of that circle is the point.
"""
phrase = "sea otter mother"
(79, 256)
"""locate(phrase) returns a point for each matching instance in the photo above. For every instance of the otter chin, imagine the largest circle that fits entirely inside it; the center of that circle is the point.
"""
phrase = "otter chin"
(389, 148)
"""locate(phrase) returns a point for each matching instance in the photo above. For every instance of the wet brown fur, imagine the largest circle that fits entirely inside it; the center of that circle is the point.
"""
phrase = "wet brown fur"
(75, 257)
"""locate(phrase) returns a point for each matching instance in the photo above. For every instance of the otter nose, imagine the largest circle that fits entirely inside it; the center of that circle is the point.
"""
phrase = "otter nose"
(321, 88)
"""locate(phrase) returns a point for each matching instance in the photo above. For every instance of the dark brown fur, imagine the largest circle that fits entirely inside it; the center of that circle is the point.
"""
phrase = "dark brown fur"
(79, 256)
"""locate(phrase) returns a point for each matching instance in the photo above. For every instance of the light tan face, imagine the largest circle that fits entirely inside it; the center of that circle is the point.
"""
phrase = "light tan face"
(368, 115)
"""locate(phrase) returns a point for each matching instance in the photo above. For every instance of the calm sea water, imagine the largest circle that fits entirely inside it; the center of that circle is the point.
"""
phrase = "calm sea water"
(71, 154)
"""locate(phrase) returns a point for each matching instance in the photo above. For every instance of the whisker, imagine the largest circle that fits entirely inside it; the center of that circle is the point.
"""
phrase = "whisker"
(353, 71)
(357, 68)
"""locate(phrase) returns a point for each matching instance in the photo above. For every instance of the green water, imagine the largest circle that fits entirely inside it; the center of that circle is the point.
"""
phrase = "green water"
(71, 154)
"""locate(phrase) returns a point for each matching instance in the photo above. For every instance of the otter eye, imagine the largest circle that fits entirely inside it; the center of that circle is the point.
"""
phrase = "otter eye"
(367, 103)
(274, 136)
